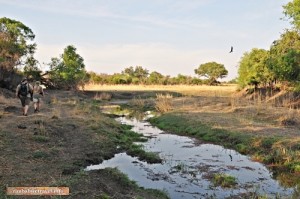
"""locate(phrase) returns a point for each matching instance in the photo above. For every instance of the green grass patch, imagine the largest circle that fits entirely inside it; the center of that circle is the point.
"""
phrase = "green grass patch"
(122, 178)
(295, 167)
(40, 154)
(120, 136)
(180, 167)
(70, 181)
(137, 150)
(104, 196)
(126, 182)
(120, 111)
(40, 138)
(224, 180)
(186, 126)
(127, 137)
(3, 193)
(268, 142)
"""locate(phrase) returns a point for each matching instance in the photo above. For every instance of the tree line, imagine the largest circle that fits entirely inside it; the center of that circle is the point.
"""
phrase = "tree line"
(278, 65)
(259, 67)
(67, 71)
(139, 75)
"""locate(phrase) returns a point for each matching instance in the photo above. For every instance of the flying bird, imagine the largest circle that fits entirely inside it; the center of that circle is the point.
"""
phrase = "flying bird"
(231, 49)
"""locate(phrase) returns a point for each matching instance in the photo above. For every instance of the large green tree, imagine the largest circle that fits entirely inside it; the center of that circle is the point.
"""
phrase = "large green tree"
(284, 57)
(68, 71)
(137, 74)
(253, 68)
(118, 78)
(212, 71)
(292, 11)
(155, 78)
(182, 79)
(31, 68)
(16, 45)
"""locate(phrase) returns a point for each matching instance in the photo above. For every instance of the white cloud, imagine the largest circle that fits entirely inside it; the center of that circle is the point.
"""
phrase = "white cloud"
(189, 5)
(96, 9)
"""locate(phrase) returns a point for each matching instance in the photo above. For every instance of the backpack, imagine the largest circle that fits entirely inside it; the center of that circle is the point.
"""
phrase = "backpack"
(23, 90)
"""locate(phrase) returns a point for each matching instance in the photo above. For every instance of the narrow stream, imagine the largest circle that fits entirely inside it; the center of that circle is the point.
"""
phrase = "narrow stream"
(188, 167)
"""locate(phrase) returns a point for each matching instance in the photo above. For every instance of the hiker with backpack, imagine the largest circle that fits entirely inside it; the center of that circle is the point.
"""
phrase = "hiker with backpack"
(24, 92)
(37, 94)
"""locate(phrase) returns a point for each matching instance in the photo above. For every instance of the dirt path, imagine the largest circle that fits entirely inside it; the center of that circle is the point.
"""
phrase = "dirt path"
(39, 148)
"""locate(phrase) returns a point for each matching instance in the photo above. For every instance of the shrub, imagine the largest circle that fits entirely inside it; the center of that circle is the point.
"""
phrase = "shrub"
(163, 103)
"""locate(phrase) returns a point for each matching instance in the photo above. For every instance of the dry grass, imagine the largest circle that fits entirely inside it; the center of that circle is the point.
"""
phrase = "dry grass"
(102, 96)
(54, 99)
(223, 107)
(72, 101)
(41, 129)
(292, 118)
(7, 101)
(56, 113)
(240, 114)
(3, 100)
(202, 90)
(138, 102)
(163, 103)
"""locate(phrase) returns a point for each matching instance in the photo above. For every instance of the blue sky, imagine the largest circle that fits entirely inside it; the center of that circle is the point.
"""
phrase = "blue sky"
(168, 36)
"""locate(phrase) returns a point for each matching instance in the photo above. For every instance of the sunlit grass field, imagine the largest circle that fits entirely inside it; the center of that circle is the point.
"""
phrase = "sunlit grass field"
(195, 90)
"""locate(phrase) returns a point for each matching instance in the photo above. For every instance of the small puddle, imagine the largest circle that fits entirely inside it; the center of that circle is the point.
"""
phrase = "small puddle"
(188, 167)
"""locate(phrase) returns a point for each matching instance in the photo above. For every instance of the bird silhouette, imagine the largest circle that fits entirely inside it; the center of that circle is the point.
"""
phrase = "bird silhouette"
(231, 49)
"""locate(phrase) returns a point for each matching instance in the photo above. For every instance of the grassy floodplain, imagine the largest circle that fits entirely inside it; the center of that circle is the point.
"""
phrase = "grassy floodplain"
(196, 90)
(255, 125)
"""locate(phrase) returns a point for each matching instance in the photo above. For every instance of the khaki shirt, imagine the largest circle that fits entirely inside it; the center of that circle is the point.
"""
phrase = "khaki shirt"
(38, 90)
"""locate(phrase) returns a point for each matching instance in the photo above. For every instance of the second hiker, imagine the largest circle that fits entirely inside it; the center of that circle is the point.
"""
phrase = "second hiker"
(37, 94)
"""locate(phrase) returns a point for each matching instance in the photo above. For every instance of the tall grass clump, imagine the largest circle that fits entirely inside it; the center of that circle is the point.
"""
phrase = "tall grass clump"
(4, 100)
(163, 103)
(56, 113)
(137, 102)
(54, 100)
(102, 96)
(289, 119)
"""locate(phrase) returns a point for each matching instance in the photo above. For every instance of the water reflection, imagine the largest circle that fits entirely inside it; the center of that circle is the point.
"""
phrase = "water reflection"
(188, 167)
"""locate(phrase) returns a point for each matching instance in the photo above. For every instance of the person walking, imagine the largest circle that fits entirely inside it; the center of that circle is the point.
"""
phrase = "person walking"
(24, 92)
(38, 92)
